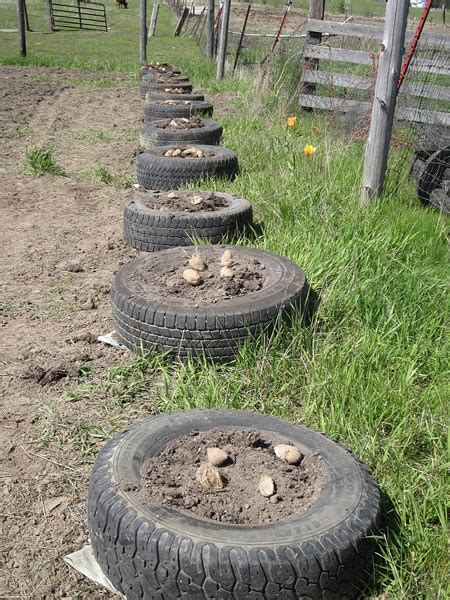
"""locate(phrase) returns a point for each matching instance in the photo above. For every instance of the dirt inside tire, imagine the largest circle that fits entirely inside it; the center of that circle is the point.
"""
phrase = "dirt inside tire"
(182, 202)
(247, 276)
(172, 479)
(180, 124)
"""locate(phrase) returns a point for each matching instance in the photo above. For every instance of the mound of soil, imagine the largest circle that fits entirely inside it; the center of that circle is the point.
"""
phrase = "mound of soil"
(183, 123)
(171, 479)
(157, 278)
(186, 152)
(182, 202)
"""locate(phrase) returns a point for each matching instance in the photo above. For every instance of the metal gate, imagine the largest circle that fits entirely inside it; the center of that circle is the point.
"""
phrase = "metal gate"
(88, 16)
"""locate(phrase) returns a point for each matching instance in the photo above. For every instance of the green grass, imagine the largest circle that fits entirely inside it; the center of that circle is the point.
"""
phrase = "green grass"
(39, 160)
(372, 369)
(102, 174)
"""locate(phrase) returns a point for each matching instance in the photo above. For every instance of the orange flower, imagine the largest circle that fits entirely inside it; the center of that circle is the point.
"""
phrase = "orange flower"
(292, 121)
(309, 150)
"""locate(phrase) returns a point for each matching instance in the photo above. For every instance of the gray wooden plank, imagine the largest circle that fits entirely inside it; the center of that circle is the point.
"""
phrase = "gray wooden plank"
(370, 31)
(361, 57)
(358, 82)
(404, 113)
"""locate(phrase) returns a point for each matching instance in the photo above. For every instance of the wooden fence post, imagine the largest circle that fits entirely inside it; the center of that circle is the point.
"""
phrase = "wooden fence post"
(21, 27)
(223, 40)
(316, 11)
(179, 27)
(143, 39)
(210, 30)
(385, 98)
(151, 29)
(48, 10)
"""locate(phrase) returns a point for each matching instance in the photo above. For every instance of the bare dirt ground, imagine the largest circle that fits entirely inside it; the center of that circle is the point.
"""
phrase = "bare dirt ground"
(62, 244)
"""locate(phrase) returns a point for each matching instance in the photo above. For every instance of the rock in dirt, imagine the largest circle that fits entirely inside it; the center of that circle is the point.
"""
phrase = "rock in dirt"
(289, 454)
(192, 277)
(209, 477)
(216, 457)
(172, 195)
(196, 200)
(57, 372)
(226, 272)
(176, 152)
(226, 259)
(196, 262)
(266, 486)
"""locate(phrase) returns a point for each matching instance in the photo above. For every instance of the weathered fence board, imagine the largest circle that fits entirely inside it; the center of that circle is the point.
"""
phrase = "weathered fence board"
(362, 57)
(370, 31)
(404, 113)
(360, 82)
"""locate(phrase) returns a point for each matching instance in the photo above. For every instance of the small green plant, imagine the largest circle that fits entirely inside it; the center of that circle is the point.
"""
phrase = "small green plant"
(39, 160)
(101, 174)
(93, 135)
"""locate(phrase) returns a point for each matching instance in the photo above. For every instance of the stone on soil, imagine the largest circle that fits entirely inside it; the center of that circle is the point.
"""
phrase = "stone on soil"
(266, 486)
(289, 454)
(192, 277)
(216, 456)
(197, 262)
(209, 477)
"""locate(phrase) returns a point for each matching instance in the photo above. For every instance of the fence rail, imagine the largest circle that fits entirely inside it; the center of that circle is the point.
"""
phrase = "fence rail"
(89, 16)
(320, 71)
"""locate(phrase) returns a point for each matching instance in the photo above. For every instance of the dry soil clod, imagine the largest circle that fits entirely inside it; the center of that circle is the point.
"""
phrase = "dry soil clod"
(172, 195)
(288, 454)
(173, 123)
(216, 456)
(266, 486)
(226, 259)
(192, 277)
(196, 262)
(209, 477)
(196, 200)
(226, 272)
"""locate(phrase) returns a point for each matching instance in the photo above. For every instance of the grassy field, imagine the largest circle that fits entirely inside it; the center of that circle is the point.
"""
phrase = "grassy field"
(372, 370)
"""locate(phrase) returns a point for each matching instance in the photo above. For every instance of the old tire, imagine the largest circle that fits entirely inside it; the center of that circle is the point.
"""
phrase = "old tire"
(157, 553)
(150, 230)
(152, 135)
(158, 172)
(147, 84)
(189, 329)
(158, 70)
(158, 95)
(155, 110)
(432, 175)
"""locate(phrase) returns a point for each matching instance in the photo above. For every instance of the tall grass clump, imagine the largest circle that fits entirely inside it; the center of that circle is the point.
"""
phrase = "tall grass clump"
(40, 160)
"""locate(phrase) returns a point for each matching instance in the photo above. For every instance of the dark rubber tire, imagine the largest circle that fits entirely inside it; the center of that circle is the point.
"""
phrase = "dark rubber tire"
(158, 70)
(432, 174)
(157, 95)
(151, 230)
(187, 329)
(151, 135)
(155, 110)
(148, 84)
(157, 553)
(158, 172)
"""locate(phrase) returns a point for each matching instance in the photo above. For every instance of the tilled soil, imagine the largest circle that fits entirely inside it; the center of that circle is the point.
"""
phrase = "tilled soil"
(171, 479)
(184, 202)
(62, 244)
(163, 280)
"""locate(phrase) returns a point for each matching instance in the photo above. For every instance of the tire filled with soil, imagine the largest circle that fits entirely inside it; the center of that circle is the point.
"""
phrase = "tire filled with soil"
(205, 301)
(172, 166)
(432, 178)
(159, 220)
(173, 94)
(208, 504)
(176, 82)
(187, 130)
(155, 110)
(157, 70)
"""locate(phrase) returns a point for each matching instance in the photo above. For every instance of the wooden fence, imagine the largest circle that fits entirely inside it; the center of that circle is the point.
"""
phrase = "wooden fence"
(323, 61)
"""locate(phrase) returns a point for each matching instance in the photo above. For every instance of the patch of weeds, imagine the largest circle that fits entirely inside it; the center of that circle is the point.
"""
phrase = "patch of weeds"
(93, 135)
(17, 131)
(102, 174)
(39, 160)
(128, 135)
(126, 181)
